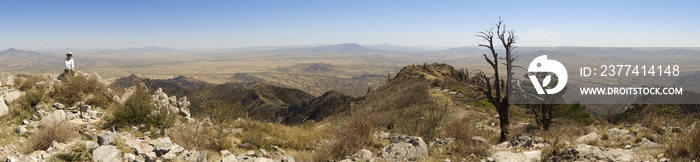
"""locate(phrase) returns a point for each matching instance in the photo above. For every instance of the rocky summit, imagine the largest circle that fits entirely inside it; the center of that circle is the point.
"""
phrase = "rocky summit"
(424, 113)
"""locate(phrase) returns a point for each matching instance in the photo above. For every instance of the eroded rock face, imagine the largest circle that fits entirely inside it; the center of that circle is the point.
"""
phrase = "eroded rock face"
(405, 148)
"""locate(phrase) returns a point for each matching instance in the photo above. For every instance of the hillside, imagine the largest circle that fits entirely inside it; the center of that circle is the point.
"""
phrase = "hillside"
(424, 113)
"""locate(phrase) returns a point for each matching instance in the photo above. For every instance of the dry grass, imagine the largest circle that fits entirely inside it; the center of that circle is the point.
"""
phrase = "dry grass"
(684, 145)
(24, 84)
(200, 137)
(463, 130)
(43, 137)
(354, 134)
(74, 88)
(76, 152)
(22, 107)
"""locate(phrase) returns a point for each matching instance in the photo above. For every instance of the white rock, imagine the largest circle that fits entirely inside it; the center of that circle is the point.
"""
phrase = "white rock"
(106, 153)
(105, 138)
(593, 136)
(163, 145)
(4, 109)
(405, 148)
(12, 95)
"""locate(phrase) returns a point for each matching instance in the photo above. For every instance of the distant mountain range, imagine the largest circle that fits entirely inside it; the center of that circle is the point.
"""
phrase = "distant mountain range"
(347, 48)
(12, 52)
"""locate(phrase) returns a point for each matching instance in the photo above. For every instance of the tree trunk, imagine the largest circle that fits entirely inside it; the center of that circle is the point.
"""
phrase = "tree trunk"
(503, 116)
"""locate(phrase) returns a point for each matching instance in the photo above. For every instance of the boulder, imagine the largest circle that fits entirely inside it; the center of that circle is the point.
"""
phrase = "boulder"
(619, 133)
(382, 135)
(196, 156)
(522, 141)
(12, 95)
(163, 145)
(91, 146)
(85, 108)
(229, 158)
(40, 155)
(4, 109)
(59, 106)
(646, 142)
(129, 157)
(584, 152)
(478, 140)
(21, 129)
(151, 156)
(106, 153)
(105, 138)
(134, 145)
(405, 148)
(593, 136)
(509, 156)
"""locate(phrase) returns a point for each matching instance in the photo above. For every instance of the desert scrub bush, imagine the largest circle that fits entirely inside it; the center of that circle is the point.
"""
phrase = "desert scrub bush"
(684, 146)
(72, 89)
(28, 82)
(201, 137)
(22, 107)
(138, 110)
(47, 133)
(354, 134)
(101, 98)
(76, 152)
(257, 134)
(463, 146)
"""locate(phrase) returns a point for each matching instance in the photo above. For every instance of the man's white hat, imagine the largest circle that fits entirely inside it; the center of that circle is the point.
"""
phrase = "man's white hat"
(69, 53)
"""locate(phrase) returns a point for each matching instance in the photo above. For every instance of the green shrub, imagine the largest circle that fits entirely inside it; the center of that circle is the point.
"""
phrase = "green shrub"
(575, 112)
(72, 89)
(138, 110)
(22, 107)
(135, 110)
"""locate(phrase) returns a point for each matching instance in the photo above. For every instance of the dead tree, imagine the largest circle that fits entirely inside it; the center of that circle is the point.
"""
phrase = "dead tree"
(494, 88)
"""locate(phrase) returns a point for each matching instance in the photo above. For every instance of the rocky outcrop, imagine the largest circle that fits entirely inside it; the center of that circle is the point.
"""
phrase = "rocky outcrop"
(583, 152)
(405, 148)
(172, 103)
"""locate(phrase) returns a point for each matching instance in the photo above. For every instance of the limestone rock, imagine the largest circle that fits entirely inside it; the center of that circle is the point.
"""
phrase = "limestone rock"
(163, 145)
(4, 109)
(509, 156)
(12, 95)
(105, 138)
(405, 148)
(593, 136)
(106, 153)
(479, 140)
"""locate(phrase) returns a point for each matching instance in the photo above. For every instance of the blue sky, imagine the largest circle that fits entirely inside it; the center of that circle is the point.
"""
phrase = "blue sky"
(39, 25)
